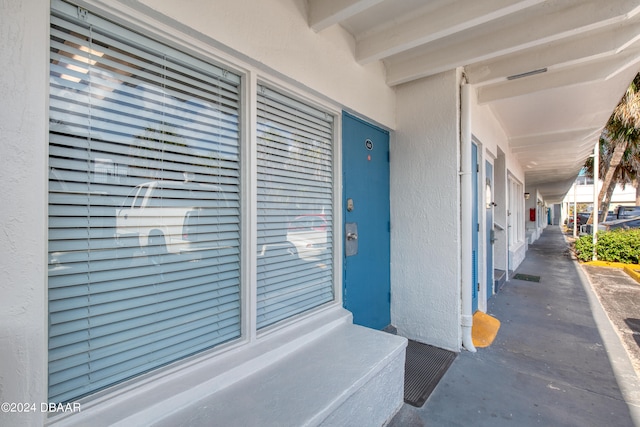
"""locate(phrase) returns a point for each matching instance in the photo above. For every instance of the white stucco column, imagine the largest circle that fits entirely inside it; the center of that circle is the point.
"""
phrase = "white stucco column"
(425, 212)
(466, 217)
(596, 193)
(24, 30)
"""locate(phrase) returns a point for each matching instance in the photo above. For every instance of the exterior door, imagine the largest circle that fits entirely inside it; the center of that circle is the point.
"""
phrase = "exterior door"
(475, 225)
(490, 233)
(365, 165)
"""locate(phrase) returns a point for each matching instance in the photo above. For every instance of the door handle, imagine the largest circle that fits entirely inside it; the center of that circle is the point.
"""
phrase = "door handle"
(351, 236)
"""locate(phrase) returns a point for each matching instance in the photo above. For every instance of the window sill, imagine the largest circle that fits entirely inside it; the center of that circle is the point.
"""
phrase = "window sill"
(314, 366)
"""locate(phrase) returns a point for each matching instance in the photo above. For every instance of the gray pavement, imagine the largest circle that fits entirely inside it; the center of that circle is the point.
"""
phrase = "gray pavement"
(619, 295)
(556, 361)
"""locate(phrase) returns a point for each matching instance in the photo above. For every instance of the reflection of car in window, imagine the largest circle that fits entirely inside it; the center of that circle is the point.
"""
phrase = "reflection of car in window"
(310, 235)
(171, 217)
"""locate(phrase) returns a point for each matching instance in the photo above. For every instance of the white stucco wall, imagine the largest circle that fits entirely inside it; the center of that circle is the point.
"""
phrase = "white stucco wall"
(487, 130)
(23, 211)
(425, 212)
(284, 50)
(490, 133)
(274, 35)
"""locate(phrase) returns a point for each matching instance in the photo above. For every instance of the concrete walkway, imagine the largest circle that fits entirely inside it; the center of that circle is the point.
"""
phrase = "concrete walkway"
(557, 361)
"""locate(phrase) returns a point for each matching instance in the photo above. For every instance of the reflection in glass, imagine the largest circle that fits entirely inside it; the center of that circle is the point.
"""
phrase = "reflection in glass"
(295, 208)
(144, 206)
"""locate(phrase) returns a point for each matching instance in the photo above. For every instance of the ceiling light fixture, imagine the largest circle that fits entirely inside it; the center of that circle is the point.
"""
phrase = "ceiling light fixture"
(527, 74)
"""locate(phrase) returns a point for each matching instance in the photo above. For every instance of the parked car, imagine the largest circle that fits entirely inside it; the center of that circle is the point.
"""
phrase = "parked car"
(627, 212)
(624, 217)
(633, 222)
(581, 219)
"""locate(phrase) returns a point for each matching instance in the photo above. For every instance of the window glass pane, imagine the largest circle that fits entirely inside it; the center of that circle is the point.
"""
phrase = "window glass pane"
(295, 207)
(144, 205)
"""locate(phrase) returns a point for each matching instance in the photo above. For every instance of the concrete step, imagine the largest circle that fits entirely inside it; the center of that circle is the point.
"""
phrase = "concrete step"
(350, 376)
(319, 371)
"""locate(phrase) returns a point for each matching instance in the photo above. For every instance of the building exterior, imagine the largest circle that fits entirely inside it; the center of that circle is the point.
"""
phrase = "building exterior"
(212, 210)
(581, 193)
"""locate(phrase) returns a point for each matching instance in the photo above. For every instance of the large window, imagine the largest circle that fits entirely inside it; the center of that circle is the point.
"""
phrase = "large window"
(145, 230)
(144, 204)
(295, 214)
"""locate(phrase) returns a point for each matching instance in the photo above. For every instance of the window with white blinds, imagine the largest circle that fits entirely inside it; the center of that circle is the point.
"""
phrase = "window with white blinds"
(295, 207)
(144, 204)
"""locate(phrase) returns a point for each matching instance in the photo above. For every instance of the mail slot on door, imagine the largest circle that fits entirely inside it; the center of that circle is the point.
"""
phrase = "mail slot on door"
(351, 238)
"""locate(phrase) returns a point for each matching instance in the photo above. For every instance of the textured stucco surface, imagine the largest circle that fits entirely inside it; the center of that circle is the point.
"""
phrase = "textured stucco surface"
(376, 402)
(425, 213)
(23, 121)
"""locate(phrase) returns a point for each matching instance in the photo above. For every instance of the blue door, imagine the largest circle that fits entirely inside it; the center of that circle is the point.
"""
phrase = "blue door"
(489, 227)
(475, 225)
(365, 165)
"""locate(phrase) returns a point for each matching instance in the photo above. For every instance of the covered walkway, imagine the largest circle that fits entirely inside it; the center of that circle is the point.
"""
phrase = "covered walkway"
(556, 360)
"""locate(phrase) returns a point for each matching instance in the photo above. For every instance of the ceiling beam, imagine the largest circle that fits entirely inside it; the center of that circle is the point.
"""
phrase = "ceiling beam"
(542, 28)
(551, 177)
(551, 149)
(569, 52)
(602, 69)
(543, 165)
(445, 21)
(554, 192)
(324, 13)
(563, 136)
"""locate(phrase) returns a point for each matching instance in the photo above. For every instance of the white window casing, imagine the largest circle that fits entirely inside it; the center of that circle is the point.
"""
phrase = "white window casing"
(144, 204)
(516, 212)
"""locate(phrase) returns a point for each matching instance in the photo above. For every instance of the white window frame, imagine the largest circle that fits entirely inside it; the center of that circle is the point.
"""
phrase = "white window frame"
(250, 337)
(516, 211)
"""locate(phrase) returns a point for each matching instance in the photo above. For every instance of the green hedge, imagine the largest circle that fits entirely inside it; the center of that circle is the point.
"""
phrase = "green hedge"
(613, 246)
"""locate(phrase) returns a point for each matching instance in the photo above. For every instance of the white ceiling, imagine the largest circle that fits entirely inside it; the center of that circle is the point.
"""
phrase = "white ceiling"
(589, 51)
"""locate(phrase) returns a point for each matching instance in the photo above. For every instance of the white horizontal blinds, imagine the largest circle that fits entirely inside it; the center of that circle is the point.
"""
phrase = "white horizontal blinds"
(144, 205)
(295, 208)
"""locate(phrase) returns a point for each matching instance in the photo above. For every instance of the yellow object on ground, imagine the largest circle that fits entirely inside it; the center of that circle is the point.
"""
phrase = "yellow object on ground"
(632, 270)
(606, 264)
(484, 329)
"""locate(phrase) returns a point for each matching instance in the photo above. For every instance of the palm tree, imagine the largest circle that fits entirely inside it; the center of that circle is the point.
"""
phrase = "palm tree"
(619, 147)
(630, 169)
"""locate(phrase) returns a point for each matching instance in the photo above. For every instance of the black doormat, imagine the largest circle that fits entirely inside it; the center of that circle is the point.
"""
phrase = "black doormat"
(527, 277)
(423, 368)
